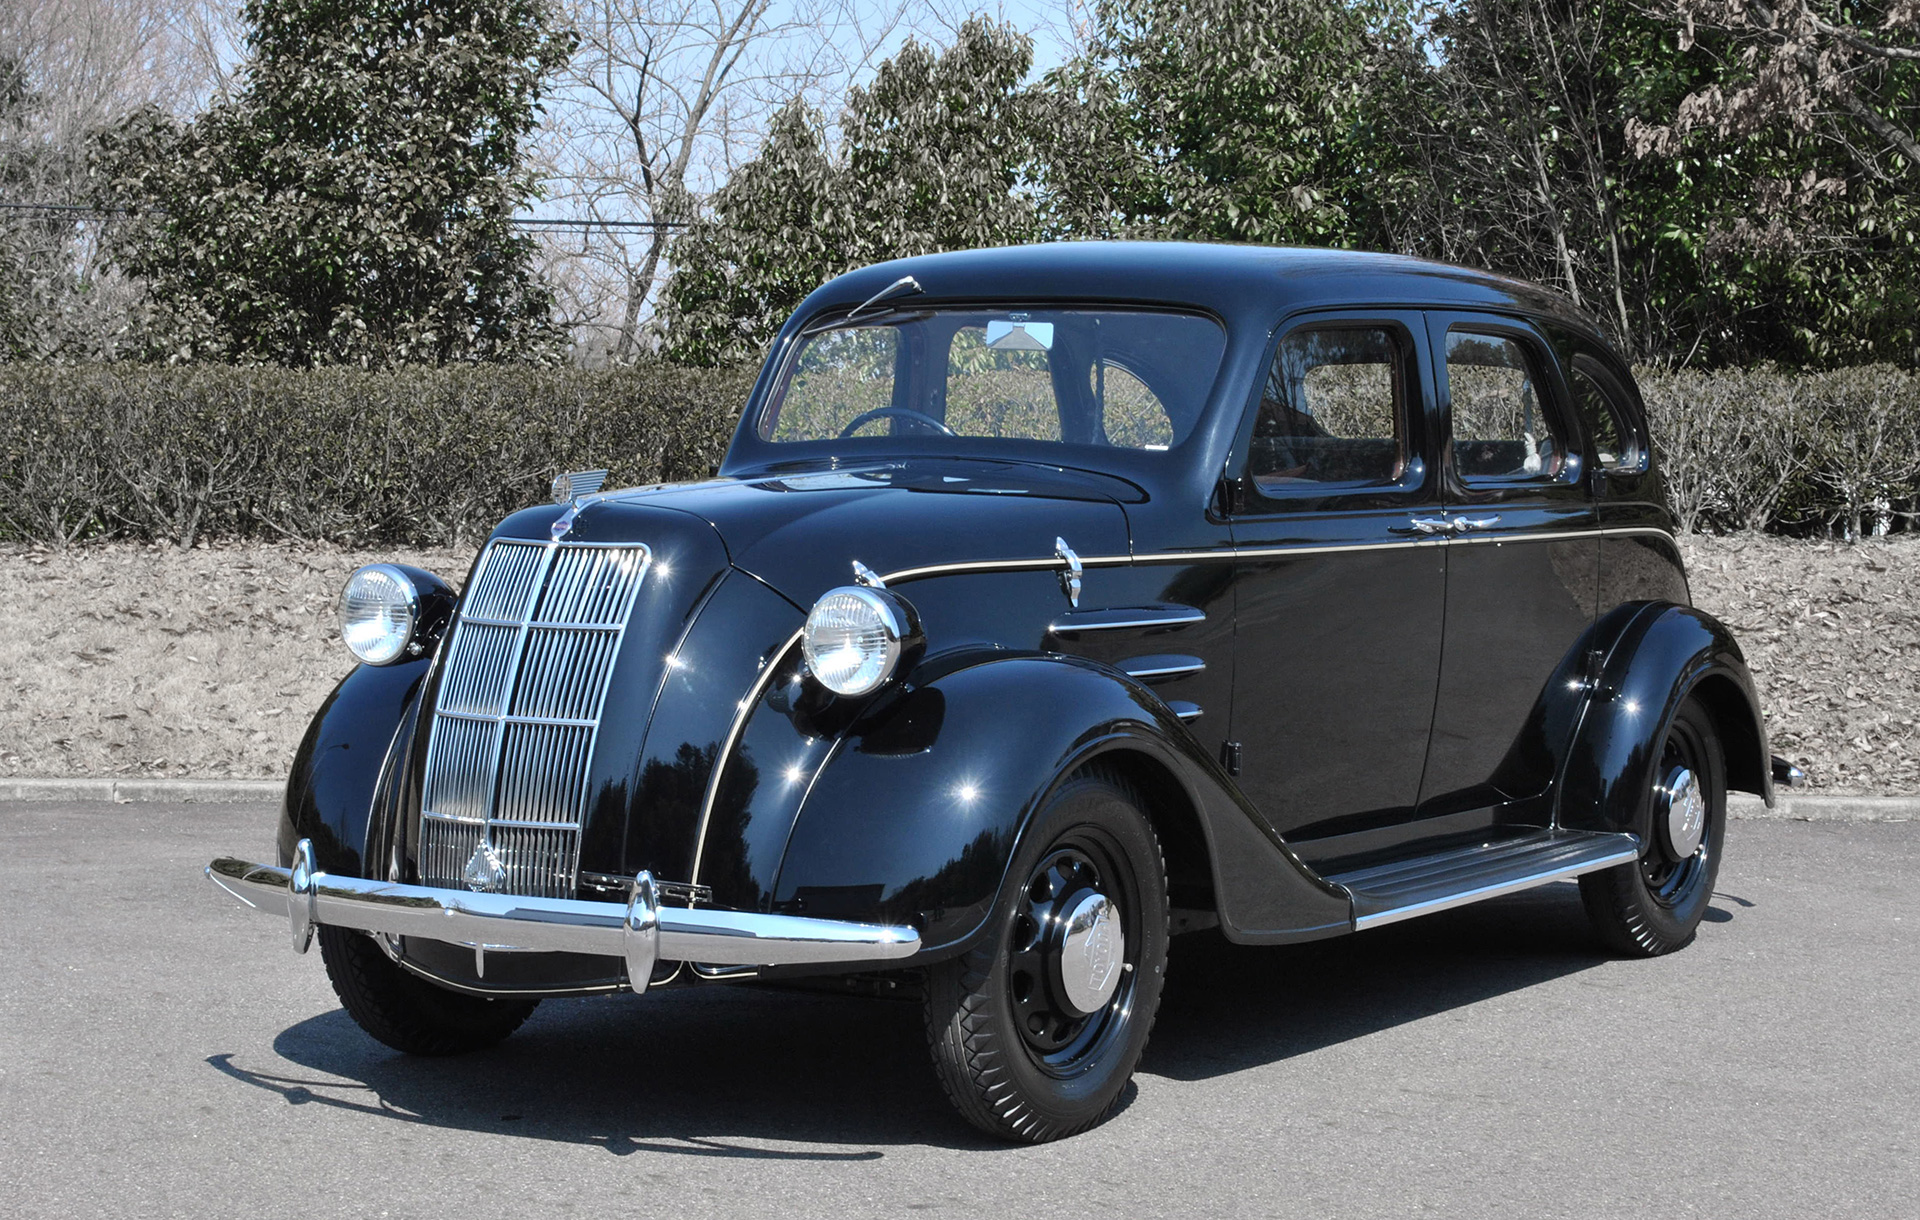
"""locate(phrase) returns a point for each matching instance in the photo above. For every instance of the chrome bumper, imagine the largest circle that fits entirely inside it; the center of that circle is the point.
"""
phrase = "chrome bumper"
(640, 931)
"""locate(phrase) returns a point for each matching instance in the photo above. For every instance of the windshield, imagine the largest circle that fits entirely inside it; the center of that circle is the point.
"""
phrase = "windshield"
(1128, 379)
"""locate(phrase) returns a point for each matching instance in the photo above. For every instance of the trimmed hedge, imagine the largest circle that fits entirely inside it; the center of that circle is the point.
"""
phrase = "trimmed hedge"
(427, 457)
(1835, 452)
(418, 457)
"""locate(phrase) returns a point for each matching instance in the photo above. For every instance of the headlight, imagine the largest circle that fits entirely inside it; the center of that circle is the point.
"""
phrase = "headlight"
(378, 612)
(855, 638)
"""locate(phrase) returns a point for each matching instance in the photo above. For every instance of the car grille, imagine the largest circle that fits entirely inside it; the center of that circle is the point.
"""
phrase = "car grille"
(526, 673)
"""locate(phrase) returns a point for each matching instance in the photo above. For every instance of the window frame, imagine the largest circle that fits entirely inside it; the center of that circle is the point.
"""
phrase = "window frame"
(754, 443)
(1555, 406)
(1405, 331)
(1618, 401)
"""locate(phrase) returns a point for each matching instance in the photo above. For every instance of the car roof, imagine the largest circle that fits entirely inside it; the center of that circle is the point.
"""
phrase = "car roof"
(1230, 280)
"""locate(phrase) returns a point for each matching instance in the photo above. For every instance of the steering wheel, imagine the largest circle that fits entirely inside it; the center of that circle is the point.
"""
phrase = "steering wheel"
(864, 417)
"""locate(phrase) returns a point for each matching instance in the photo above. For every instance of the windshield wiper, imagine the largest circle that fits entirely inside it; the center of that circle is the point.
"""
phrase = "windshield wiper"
(906, 285)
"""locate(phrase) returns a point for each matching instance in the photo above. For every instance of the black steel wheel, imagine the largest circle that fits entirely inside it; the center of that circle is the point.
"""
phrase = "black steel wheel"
(407, 1012)
(1654, 905)
(1037, 1030)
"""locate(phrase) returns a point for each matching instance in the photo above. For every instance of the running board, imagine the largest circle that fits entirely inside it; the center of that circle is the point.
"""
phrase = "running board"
(1388, 893)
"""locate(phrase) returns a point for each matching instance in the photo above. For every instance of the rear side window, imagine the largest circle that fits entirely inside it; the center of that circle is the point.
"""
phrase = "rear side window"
(1602, 403)
(1501, 429)
(1332, 412)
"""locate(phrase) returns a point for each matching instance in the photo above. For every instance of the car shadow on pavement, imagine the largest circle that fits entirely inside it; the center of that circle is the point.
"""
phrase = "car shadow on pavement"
(722, 1071)
(1229, 1007)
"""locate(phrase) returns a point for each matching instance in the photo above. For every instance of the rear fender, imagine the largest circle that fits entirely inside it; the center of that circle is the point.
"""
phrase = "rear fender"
(1655, 656)
(916, 815)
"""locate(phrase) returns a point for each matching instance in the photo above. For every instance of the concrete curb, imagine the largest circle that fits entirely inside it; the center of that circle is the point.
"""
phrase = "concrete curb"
(1808, 807)
(124, 790)
(1787, 806)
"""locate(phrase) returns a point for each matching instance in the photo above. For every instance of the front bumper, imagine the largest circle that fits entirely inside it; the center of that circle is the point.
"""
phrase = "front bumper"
(640, 931)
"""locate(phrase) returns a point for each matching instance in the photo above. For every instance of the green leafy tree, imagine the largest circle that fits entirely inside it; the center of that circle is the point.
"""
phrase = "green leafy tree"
(933, 155)
(352, 202)
(1231, 120)
(1816, 103)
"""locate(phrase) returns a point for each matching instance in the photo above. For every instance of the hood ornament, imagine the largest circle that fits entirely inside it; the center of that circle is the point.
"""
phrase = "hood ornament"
(573, 490)
(1071, 573)
(570, 488)
(485, 870)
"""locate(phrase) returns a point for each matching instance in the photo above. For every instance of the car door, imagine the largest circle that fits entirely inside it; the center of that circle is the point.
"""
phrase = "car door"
(1339, 582)
(1522, 569)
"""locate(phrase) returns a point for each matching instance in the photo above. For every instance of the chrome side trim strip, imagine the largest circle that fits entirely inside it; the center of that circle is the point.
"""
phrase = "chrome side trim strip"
(740, 713)
(1125, 618)
(986, 565)
(1271, 552)
(640, 931)
(1184, 710)
(1148, 668)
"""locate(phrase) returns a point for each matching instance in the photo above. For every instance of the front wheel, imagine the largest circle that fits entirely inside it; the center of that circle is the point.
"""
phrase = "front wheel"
(408, 1013)
(1653, 905)
(1037, 1030)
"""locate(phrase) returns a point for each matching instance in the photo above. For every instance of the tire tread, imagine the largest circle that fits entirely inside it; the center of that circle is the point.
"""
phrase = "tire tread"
(407, 1013)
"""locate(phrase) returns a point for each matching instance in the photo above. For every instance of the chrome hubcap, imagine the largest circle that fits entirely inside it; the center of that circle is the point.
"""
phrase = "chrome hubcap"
(1091, 953)
(1686, 814)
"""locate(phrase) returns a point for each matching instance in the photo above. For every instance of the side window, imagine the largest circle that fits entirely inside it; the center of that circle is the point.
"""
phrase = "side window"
(1131, 415)
(1501, 429)
(1333, 412)
(1602, 405)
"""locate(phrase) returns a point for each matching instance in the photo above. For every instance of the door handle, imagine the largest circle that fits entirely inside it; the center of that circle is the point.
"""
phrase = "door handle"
(1426, 525)
(1464, 524)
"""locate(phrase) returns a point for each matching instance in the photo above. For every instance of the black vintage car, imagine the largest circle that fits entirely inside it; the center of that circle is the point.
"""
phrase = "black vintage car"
(1049, 601)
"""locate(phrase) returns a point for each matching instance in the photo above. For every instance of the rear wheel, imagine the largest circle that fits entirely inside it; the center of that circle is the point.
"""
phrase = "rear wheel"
(406, 1012)
(1036, 1032)
(1653, 905)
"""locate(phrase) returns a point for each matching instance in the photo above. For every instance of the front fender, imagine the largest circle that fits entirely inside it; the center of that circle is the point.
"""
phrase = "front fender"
(915, 816)
(337, 771)
(1658, 654)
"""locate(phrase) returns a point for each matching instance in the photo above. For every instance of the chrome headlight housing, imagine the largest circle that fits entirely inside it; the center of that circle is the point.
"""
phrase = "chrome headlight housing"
(856, 636)
(379, 614)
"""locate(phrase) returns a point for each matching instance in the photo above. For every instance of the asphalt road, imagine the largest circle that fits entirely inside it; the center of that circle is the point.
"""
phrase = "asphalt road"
(162, 1052)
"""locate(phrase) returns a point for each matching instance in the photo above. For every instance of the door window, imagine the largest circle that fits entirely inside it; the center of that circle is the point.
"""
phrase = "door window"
(1501, 430)
(1332, 412)
(1616, 442)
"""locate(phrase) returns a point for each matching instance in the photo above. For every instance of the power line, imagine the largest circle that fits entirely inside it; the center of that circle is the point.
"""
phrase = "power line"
(522, 222)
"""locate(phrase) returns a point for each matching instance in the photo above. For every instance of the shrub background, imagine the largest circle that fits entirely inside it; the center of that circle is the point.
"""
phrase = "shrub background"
(434, 457)
(415, 456)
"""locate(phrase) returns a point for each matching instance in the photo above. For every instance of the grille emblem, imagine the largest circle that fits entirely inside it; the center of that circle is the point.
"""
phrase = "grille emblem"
(484, 869)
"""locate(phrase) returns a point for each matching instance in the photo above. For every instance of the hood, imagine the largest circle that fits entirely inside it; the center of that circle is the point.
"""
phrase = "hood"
(801, 529)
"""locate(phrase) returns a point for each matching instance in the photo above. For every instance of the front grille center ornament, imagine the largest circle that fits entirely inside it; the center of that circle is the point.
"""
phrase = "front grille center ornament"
(484, 869)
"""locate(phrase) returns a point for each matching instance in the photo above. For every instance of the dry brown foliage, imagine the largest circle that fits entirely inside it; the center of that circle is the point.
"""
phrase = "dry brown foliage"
(131, 660)
(1832, 633)
(152, 661)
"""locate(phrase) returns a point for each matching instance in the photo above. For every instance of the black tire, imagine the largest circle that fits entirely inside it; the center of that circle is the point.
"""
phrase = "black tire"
(406, 1012)
(1654, 905)
(1017, 1060)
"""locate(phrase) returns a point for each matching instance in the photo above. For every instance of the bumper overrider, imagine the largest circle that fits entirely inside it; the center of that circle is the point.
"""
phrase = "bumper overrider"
(639, 931)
